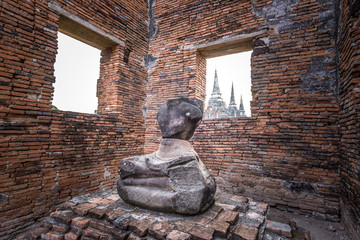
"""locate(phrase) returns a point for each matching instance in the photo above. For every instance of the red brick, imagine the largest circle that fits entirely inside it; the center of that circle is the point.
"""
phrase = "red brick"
(98, 212)
(177, 235)
(52, 236)
(112, 215)
(60, 228)
(280, 228)
(80, 222)
(71, 236)
(84, 208)
(221, 228)
(184, 226)
(228, 216)
(246, 232)
(159, 230)
(133, 237)
(91, 232)
(140, 227)
(201, 233)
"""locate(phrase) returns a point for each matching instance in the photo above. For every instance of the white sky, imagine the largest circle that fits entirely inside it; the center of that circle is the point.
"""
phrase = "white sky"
(231, 68)
(77, 70)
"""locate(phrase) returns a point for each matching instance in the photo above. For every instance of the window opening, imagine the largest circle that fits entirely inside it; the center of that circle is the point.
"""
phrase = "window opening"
(77, 69)
(228, 86)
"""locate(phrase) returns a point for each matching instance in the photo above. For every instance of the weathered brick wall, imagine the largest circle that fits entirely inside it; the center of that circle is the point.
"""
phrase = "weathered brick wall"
(45, 156)
(287, 153)
(349, 95)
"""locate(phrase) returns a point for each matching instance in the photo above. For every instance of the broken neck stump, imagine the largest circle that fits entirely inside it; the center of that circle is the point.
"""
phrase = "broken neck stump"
(173, 179)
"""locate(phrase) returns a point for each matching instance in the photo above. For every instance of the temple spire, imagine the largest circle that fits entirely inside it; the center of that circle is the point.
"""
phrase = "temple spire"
(241, 107)
(232, 98)
(216, 88)
(216, 106)
(232, 109)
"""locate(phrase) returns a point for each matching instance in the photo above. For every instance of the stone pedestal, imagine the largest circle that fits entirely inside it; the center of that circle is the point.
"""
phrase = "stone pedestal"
(106, 216)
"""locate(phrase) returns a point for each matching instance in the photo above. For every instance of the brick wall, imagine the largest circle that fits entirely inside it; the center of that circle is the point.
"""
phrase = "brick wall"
(45, 156)
(349, 94)
(287, 153)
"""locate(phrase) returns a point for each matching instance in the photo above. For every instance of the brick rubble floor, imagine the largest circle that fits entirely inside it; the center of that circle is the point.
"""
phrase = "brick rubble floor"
(105, 216)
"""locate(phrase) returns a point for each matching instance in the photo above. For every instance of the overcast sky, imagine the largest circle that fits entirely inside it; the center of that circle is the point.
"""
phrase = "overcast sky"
(231, 68)
(77, 70)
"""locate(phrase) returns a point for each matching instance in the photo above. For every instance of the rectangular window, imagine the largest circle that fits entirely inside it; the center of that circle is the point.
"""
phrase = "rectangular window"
(77, 69)
(228, 86)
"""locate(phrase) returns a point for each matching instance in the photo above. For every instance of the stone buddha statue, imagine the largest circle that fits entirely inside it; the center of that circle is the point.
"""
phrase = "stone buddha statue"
(173, 179)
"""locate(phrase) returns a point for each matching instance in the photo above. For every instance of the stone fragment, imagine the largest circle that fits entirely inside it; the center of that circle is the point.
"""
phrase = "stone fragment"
(159, 230)
(244, 232)
(280, 228)
(201, 233)
(177, 235)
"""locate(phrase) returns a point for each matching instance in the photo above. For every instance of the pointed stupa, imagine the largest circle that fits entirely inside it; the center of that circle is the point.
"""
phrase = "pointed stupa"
(216, 106)
(216, 88)
(232, 98)
(232, 109)
(241, 107)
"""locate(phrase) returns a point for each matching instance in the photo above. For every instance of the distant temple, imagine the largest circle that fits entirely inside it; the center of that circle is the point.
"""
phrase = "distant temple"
(216, 107)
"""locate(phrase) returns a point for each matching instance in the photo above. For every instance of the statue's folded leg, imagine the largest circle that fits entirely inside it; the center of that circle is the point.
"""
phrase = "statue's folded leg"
(149, 197)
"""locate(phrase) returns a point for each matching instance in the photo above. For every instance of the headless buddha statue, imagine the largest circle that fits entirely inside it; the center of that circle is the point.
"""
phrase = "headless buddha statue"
(173, 179)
